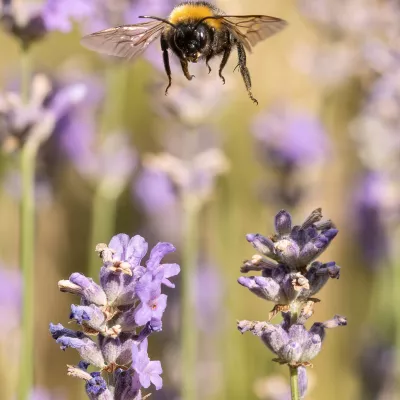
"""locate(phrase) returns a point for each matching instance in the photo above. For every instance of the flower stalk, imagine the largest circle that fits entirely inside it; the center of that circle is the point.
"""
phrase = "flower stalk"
(27, 240)
(294, 372)
(103, 220)
(294, 383)
(105, 199)
(189, 328)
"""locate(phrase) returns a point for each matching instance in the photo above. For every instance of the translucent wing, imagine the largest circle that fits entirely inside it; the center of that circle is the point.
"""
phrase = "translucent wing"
(251, 29)
(127, 41)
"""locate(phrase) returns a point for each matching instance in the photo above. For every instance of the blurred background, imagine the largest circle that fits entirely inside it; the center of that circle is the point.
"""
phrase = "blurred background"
(117, 155)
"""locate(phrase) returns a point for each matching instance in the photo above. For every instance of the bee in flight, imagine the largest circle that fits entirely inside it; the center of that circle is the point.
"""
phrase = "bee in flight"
(193, 31)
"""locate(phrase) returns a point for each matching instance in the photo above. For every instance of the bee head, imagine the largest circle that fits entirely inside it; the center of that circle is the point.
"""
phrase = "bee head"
(191, 40)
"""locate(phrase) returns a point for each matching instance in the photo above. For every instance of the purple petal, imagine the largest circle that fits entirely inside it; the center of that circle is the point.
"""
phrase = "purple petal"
(154, 367)
(161, 305)
(144, 380)
(137, 249)
(169, 271)
(119, 243)
(135, 353)
(144, 346)
(143, 314)
(157, 253)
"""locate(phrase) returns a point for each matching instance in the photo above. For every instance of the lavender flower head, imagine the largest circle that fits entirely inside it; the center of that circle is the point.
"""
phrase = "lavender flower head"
(10, 300)
(30, 21)
(189, 171)
(295, 144)
(364, 41)
(287, 136)
(122, 311)
(36, 119)
(290, 278)
(108, 161)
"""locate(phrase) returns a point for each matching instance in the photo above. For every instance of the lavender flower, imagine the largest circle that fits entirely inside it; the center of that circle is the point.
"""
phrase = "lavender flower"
(189, 104)
(376, 366)
(364, 40)
(123, 310)
(275, 387)
(182, 175)
(294, 143)
(287, 136)
(377, 197)
(293, 344)
(36, 119)
(40, 393)
(108, 162)
(374, 208)
(289, 278)
(209, 288)
(31, 21)
(147, 371)
(10, 300)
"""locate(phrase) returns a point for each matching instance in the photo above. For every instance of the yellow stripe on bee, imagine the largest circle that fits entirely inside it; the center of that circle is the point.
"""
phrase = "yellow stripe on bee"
(193, 12)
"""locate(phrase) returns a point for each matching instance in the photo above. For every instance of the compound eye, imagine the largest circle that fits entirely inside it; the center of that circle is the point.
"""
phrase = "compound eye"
(180, 38)
(201, 36)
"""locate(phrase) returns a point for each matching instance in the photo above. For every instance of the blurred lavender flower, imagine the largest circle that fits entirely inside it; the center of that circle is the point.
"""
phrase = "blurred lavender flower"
(193, 177)
(106, 13)
(362, 42)
(287, 136)
(209, 293)
(12, 185)
(377, 201)
(170, 180)
(10, 300)
(189, 103)
(36, 119)
(290, 281)
(109, 161)
(374, 213)
(40, 122)
(40, 393)
(276, 387)
(273, 387)
(376, 366)
(375, 129)
(30, 21)
(293, 143)
(118, 313)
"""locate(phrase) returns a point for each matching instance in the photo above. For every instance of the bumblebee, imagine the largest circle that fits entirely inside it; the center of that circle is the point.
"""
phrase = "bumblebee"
(193, 31)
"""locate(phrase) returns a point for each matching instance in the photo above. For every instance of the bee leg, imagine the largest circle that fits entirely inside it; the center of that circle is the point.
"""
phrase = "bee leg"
(208, 58)
(244, 70)
(164, 48)
(185, 69)
(224, 60)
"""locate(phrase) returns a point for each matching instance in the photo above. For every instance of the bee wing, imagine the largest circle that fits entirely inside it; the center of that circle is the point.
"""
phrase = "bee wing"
(251, 29)
(127, 41)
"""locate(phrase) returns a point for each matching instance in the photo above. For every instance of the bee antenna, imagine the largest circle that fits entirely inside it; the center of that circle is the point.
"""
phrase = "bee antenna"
(159, 19)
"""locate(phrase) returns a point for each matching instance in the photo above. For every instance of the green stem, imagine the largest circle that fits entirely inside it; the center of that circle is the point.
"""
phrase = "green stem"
(294, 373)
(116, 79)
(26, 72)
(104, 212)
(27, 244)
(294, 383)
(396, 299)
(189, 328)
(106, 197)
